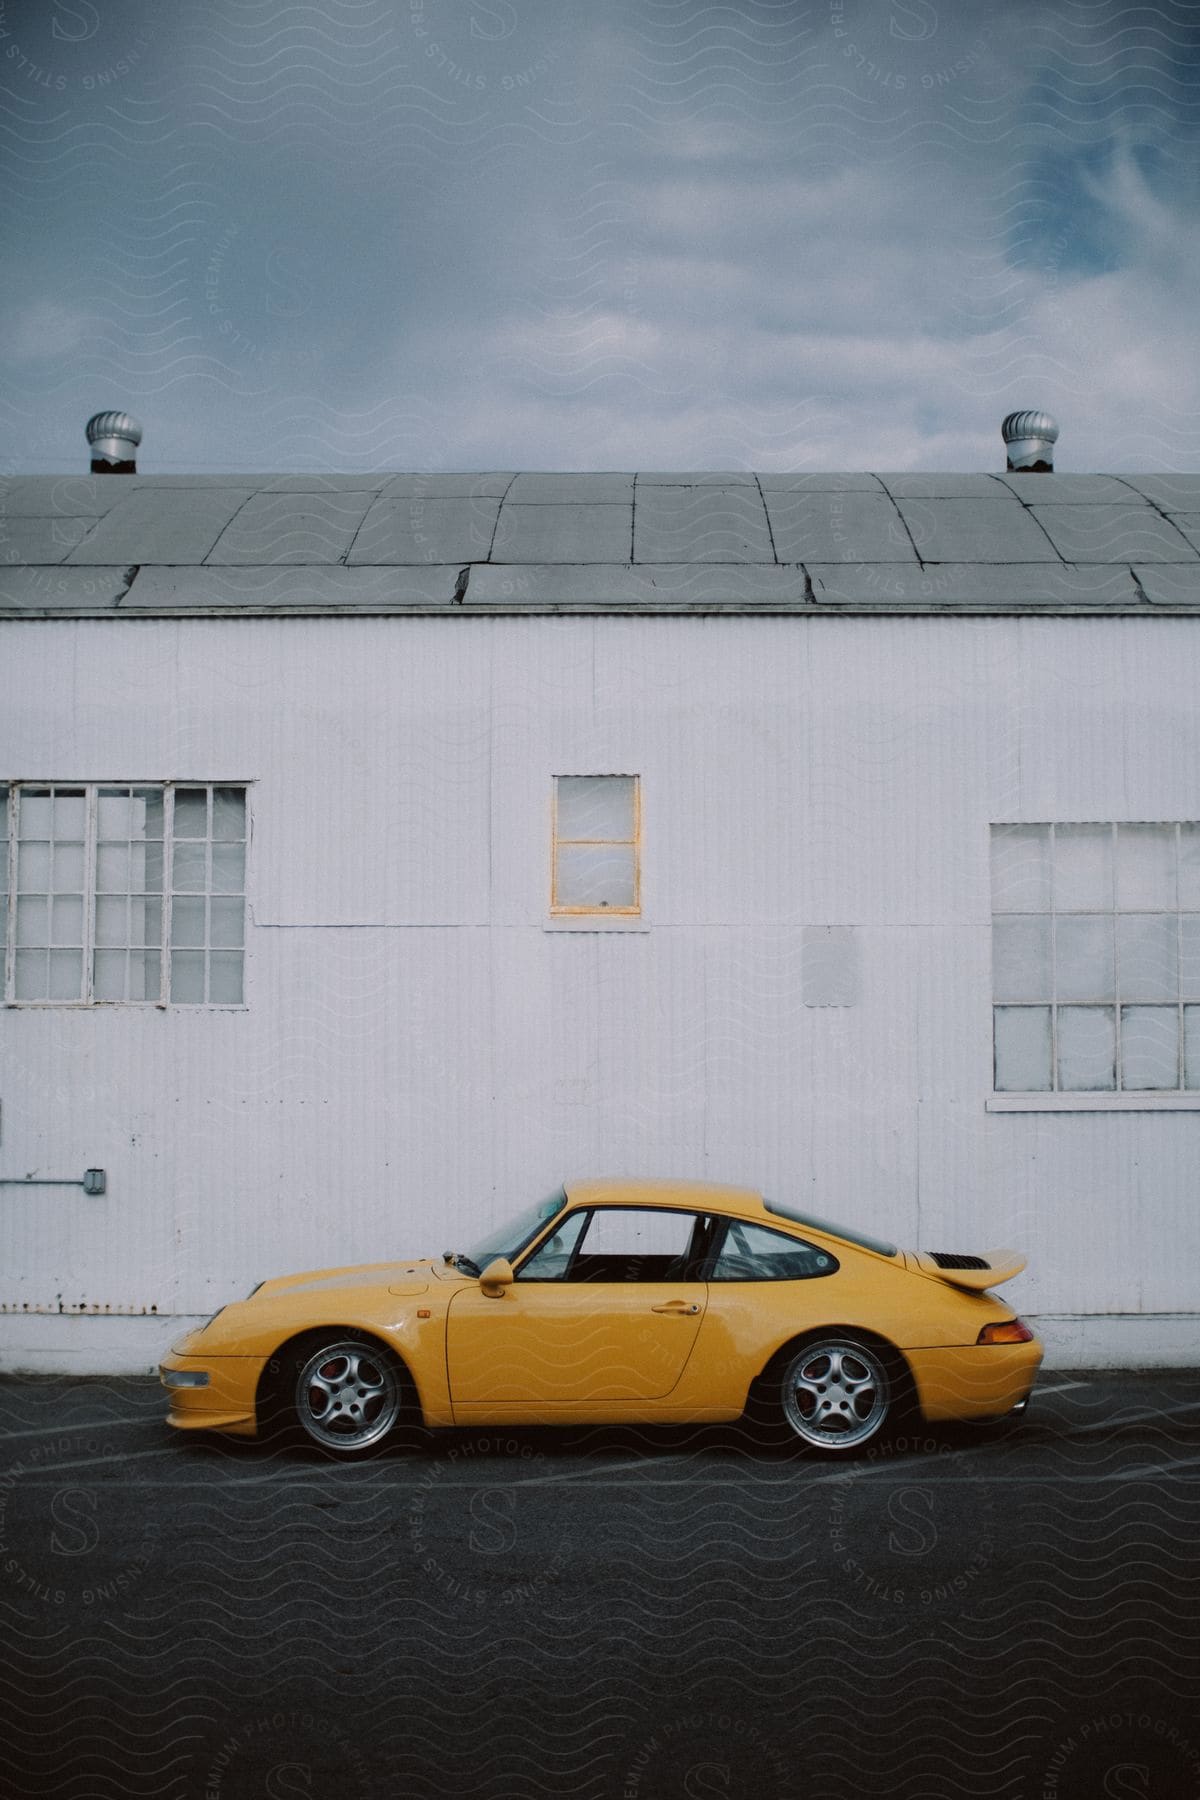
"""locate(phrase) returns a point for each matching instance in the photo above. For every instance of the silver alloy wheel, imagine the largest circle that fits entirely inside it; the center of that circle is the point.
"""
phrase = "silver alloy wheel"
(836, 1394)
(348, 1395)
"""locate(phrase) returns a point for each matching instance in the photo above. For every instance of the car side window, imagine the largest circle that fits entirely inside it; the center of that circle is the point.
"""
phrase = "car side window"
(756, 1253)
(552, 1259)
(629, 1243)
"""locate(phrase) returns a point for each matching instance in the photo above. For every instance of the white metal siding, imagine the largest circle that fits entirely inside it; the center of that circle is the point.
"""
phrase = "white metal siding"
(419, 1053)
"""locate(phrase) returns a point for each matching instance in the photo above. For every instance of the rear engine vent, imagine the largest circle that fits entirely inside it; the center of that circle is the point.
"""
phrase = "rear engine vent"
(946, 1259)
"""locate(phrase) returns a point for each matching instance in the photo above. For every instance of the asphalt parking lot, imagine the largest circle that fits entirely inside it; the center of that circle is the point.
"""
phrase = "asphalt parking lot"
(618, 1615)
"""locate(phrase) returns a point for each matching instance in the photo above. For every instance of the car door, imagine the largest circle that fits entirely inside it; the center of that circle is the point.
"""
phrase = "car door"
(764, 1287)
(605, 1311)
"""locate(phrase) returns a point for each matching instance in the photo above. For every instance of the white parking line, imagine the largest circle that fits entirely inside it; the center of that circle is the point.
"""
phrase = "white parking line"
(856, 1472)
(1166, 1472)
(1186, 1462)
(1118, 1421)
(610, 1476)
(88, 1425)
(18, 1470)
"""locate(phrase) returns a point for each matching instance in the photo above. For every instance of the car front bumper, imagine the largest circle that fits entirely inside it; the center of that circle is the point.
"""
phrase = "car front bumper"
(224, 1403)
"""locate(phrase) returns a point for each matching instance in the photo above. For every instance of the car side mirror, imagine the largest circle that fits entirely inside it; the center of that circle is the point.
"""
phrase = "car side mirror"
(496, 1278)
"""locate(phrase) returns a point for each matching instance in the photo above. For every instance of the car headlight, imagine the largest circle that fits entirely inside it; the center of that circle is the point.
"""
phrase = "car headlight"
(177, 1378)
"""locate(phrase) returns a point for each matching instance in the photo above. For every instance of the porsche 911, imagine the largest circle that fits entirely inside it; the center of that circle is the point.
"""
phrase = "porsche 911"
(619, 1302)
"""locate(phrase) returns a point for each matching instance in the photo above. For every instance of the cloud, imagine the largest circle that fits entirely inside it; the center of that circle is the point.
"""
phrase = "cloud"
(853, 234)
(44, 331)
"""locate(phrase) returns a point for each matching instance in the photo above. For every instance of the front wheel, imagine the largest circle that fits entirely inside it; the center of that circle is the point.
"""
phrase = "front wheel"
(346, 1395)
(836, 1394)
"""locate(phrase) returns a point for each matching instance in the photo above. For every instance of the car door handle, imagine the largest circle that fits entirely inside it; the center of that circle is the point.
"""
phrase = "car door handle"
(680, 1307)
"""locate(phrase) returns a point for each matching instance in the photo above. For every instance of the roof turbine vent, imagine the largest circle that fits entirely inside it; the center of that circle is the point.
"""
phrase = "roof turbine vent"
(1030, 437)
(114, 437)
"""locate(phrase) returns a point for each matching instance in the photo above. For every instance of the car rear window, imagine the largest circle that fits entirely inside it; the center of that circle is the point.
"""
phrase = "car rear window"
(783, 1211)
(757, 1253)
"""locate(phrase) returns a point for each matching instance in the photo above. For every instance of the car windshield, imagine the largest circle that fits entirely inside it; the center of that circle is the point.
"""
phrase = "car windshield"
(511, 1238)
(860, 1238)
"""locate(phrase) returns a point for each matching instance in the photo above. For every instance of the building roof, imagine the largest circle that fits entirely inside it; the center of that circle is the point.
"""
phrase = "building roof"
(179, 545)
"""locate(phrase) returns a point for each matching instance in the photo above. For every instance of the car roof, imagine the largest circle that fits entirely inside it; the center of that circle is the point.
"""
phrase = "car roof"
(704, 1195)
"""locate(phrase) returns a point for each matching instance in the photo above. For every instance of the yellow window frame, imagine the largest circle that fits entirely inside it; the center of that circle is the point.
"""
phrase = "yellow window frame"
(557, 908)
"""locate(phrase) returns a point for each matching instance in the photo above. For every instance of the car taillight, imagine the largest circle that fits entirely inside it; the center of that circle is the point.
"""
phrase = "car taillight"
(1012, 1331)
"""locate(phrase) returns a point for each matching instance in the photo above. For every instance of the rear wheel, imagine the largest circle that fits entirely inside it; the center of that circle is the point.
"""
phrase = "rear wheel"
(345, 1394)
(836, 1393)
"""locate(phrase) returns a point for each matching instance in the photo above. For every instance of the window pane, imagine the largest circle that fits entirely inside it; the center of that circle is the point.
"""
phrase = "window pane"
(148, 810)
(1189, 956)
(191, 812)
(225, 977)
(629, 1231)
(754, 1253)
(1189, 868)
(1145, 868)
(1148, 951)
(187, 923)
(187, 975)
(1022, 1049)
(226, 923)
(228, 868)
(112, 868)
(596, 876)
(108, 974)
(112, 814)
(188, 875)
(1083, 879)
(32, 980)
(1086, 1048)
(1021, 959)
(68, 868)
(595, 806)
(145, 975)
(148, 867)
(69, 814)
(1020, 868)
(66, 920)
(112, 920)
(1191, 1046)
(147, 919)
(33, 868)
(550, 1262)
(33, 922)
(1149, 1047)
(35, 813)
(66, 974)
(229, 812)
(1084, 958)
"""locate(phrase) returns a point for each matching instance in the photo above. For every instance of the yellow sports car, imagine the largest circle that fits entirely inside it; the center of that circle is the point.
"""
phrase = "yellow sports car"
(647, 1302)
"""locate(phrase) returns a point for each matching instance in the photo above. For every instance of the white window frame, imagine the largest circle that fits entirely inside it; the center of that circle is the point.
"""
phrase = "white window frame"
(91, 791)
(1118, 1098)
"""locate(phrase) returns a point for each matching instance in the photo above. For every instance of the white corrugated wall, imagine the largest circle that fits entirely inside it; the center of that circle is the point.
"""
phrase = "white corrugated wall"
(418, 1051)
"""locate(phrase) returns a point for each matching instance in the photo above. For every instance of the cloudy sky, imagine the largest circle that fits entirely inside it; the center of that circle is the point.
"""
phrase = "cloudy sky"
(445, 234)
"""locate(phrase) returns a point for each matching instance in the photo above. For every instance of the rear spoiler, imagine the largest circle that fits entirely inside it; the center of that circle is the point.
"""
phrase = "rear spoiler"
(986, 1271)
